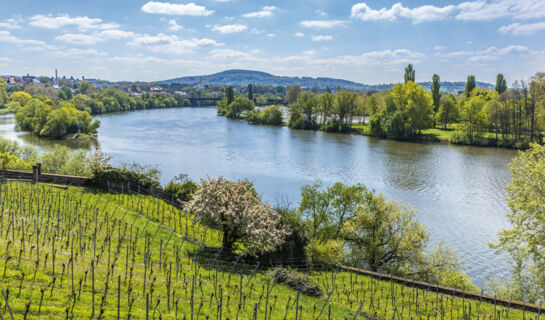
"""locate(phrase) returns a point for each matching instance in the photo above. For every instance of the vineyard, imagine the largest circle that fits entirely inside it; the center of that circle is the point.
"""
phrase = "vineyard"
(69, 253)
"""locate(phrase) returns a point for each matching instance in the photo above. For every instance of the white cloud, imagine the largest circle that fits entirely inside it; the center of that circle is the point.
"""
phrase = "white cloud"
(230, 54)
(75, 52)
(321, 37)
(11, 23)
(174, 26)
(485, 55)
(79, 38)
(29, 44)
(115, 34)
(229, 28)
(476, 10)
(138, 59)
(171, 44)
(265, 12)
(83, 23)
(417, 15)
(190, 9)
(323, 24)
(519, 29)
(485, 10)
(299, 34)
(321, 12)
(271, 35)
(257, 31)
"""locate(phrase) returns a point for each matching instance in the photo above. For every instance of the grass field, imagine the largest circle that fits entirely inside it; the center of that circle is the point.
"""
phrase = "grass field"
(69, 253)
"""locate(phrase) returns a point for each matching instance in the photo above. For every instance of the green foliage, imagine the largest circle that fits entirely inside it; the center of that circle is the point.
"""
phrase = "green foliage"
(501, 84)
(303, 113)
(523, 242)
(86, 88)
(297, 281)
(436, 92)
(409, 74)
(271, 116)
(292, 95)
(229, 95)
(181, 187)
(474, 118)
(470, 85)
(237, 107)
(65, 93)
(448, 111)
(408, 111)
(3, 93)
(356, 225)
(131, 174)
(56, 121)
(376, 123)
(251, 92)
(325, 254)
(20, 97)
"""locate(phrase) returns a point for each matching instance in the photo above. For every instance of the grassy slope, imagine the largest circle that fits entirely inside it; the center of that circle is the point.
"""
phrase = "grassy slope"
(154, 250)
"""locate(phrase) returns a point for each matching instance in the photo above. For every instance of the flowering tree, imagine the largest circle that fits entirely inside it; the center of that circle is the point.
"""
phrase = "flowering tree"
(236, 209)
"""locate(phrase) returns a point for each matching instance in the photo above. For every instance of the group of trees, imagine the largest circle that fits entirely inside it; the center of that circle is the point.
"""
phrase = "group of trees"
(506, 117)
(49, 119)
(327, 111)
(332, 226)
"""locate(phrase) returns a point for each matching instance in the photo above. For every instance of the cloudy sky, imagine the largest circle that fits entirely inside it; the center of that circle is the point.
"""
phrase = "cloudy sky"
(368, 42)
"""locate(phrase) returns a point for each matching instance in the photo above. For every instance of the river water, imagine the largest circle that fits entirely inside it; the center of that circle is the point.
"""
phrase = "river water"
(457, 191)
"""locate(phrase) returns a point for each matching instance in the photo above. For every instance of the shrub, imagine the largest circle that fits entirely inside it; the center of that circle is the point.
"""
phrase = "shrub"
(325, 254)
(181, 187)
(297, 281)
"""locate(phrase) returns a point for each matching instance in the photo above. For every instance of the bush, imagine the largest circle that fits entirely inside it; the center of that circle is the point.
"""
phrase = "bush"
(129, 175)
(181, 187)
(325, 254)
(376, 126)
(297, 281)
(270, 116)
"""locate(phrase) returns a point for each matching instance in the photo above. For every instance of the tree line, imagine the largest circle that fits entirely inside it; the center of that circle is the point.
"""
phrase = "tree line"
(506, 116)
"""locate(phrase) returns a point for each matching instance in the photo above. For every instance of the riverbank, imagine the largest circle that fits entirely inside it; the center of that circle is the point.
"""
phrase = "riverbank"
(450, 135)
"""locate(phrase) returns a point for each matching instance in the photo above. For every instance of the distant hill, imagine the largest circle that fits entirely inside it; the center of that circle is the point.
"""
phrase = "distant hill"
(245, 77)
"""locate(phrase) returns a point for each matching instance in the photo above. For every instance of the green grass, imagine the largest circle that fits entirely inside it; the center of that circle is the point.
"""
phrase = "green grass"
(147, 248)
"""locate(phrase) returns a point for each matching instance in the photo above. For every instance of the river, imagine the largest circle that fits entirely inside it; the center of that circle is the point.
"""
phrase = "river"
(457, 191)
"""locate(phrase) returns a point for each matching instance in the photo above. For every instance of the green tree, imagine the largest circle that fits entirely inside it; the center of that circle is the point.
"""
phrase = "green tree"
(20, 97)
(251, 92)
(409, 73)
(415, 105)
(474, 118)
(241, 104)
(3, 93)
(292, 94)
(181, 187)
(345, 107)
(436, 92)
(524, 241)
(65, 93)
(501, 84)
(86, 88)
(325, 106)
(230, 95)
(470, 85)
(448, 112)
(384, 236)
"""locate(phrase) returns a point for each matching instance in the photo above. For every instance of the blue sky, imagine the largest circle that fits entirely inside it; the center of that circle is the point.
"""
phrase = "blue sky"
(369, 41)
